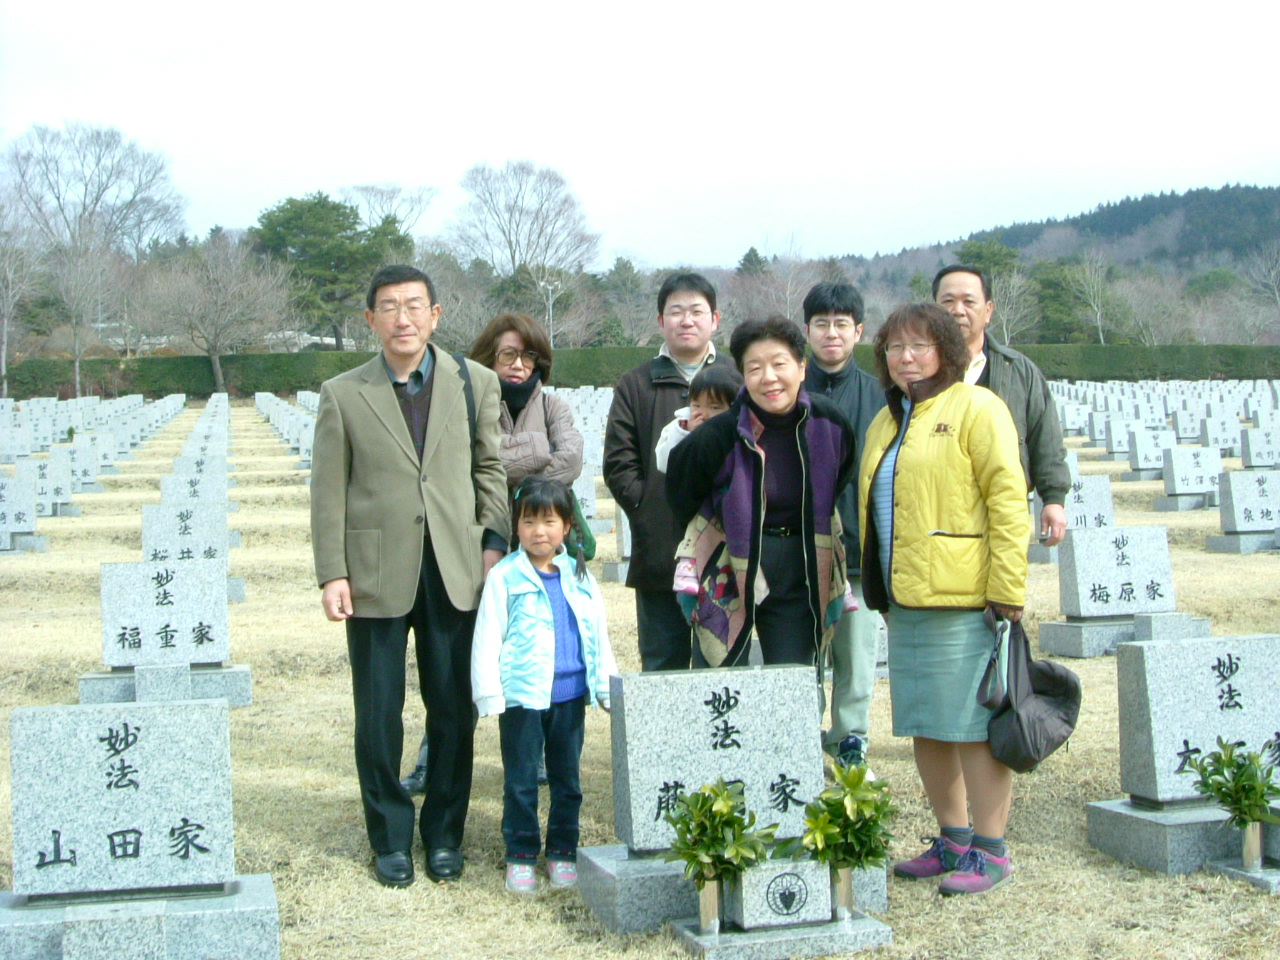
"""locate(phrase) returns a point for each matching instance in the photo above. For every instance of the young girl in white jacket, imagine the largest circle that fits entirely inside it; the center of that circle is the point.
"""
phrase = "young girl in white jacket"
(540, 654)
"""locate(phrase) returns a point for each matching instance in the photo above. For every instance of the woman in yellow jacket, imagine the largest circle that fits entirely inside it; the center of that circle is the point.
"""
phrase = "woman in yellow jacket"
(943, 504)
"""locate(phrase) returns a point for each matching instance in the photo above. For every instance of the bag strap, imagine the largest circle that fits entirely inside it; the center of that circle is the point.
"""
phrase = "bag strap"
(469, 394)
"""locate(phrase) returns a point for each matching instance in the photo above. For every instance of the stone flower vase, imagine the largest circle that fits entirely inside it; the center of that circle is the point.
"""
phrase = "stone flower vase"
(709, 908)
(841, 893)
(1251, 846)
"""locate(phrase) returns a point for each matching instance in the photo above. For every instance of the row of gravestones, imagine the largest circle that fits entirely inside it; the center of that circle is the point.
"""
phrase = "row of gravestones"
(296, 425)
(123, 839)
(59, 448)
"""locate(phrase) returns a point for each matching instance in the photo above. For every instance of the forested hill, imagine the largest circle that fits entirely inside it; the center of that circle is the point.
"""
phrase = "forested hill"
(1180, 227)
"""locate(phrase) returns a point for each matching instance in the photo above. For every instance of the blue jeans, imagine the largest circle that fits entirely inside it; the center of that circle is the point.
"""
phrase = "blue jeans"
(524, 733)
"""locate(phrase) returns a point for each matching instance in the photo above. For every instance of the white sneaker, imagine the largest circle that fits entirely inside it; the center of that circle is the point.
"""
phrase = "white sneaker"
(563, 873)
(521, 879)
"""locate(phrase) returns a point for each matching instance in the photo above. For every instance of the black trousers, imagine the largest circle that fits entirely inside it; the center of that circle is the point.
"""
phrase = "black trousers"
(376, 647)
(666, 640)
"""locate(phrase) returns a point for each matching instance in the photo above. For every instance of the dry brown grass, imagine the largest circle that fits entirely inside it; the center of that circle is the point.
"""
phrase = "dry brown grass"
(298, 811)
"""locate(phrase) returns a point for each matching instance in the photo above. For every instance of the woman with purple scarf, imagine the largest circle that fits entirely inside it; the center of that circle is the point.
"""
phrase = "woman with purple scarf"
(757, 487)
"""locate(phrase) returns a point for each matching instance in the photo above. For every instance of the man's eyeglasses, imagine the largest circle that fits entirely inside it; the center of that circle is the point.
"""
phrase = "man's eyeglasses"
(414, 309)
(679, 313)
(896, 350)
(844, 325)
(507, 356)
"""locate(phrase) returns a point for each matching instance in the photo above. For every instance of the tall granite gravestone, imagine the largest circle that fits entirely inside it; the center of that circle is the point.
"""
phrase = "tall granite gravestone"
(616, 570)
(1190, 479)
(1260, 449)
(674, 732)
(191, 531)
(1250, 510)
(123, 837)
(173, 613)
(1146, 453)
(1117, 434)
(1089, 506)
(1176, 698)
(1221, 433)
(1106, 576)
(18, 516)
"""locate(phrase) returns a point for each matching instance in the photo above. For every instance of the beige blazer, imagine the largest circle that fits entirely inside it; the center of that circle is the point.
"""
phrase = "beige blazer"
(370, 497)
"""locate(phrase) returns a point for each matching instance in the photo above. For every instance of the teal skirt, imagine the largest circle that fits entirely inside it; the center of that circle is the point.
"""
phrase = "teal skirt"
(936, 661)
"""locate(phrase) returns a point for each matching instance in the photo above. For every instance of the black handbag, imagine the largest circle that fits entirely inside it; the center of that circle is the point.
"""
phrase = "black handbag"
(1037, 712)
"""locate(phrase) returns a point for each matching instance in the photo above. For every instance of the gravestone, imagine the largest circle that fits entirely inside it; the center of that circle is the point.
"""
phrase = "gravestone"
(1118, 430)
(1106, 575)
(196, 488)
(1260, 449)
(1250, 511)
(757, 725)
(18, 516)
(1146, 453)
(1190, 479)
(1089, 505)
(1221, 434)
(198, 531)
(615, 571)
(1176, 697)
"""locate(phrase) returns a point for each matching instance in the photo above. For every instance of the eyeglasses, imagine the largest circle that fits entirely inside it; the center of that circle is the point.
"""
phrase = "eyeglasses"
(507, 356)
(679, 313)
(844, 325)
(414, 309)
(896, 350)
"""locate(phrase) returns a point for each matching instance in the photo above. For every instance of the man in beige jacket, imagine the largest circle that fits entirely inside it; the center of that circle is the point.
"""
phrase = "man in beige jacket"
(408, 513)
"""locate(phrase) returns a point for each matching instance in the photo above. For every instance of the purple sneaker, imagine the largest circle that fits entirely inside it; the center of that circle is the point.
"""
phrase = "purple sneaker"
(977, 872)
(943, 856)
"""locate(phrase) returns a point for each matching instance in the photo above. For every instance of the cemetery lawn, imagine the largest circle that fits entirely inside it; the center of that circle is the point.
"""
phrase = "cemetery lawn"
(297, 808)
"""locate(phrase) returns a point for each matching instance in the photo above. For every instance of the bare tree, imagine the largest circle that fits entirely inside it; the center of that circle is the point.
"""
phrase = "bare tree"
(1261, 271)
(1017, 307)
(376, 202)
(85, 187)
(462, 291)
(524, 216)
(226, 298)
(82, 275)
(20, 261)
(1153, 311)
(1087, 282)
(1231, 316)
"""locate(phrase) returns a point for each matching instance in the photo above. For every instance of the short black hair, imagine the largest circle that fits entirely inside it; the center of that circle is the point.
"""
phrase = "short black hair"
(720, 380)
(536, 494)
(397, 273)
(963, 268)
(775, 328)
(695, 282)
(838, 298)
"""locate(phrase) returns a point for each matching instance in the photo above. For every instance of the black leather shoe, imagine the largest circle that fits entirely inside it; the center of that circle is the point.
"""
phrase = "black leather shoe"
(444, 863)
(415, 784)
(394, 869)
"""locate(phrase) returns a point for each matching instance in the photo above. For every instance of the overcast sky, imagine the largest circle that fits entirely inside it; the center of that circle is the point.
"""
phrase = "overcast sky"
(688, 130)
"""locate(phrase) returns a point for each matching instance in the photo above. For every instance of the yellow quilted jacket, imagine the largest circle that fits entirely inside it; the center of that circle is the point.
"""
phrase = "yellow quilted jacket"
(960, 518)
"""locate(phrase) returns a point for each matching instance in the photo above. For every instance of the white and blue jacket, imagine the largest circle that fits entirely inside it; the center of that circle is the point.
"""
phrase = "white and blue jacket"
(513, 650)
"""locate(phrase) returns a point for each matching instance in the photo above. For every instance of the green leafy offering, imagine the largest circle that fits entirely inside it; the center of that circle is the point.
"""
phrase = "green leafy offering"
(1238, 781)
(715, 834)
(848, 824)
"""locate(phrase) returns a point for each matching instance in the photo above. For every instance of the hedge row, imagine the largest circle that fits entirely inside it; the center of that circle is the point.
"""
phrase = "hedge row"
(285, 373)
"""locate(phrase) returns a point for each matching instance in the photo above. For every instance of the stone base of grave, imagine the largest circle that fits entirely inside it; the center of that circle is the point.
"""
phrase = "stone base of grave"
(599, 526)
(860, 932)
(230, 682)
(235, 590)
(1115, 457)
(1179, 839)
(233, 538)
(90, 488)
(242, 921)
(66, 510)
(1170, 626)
(1243, 543)
(23, 543)
(302, 465)
(1268, 878)
(615, 571)
(108, 471)
(1131, 475)
(631, 894)
(1039, 553)
(1182, 501)
(1085, 638)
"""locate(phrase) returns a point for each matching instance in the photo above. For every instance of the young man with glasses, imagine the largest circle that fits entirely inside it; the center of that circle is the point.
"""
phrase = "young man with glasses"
(644, 401)
(833, 320)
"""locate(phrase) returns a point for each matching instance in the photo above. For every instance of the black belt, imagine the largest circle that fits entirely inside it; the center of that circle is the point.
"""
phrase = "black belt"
(780, 531)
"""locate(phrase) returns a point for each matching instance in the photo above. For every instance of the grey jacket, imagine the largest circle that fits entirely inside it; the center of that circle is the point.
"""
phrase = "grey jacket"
(1020, 384)
(541, 440)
